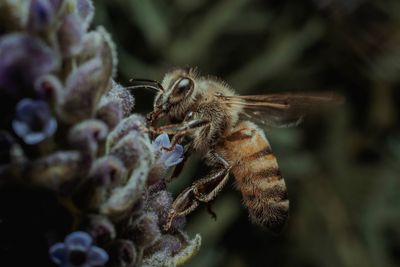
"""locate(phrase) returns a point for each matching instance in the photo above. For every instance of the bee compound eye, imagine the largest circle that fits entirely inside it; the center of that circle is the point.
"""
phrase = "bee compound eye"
(184, 85)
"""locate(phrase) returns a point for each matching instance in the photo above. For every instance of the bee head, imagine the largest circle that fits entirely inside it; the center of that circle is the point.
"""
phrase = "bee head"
(177, 96)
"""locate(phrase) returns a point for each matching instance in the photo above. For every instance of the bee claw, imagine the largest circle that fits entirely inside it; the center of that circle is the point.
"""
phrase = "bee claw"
(168, 224)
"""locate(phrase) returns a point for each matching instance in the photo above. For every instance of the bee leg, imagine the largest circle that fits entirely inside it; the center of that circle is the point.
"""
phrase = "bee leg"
(203, 190)
(182, 127)
(181, 130)
(184, 204)
(206, 189)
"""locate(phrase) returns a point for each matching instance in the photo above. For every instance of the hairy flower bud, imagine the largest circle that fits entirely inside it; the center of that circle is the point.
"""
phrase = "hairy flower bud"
(107, 171)
(100, 228)
(123, 253)
(85, 136)
(48, 87)
(23, 58)
(70, 35)
(110, 111)
(133, 123)
(54, 170)
(41, 15)
(146, 229)
(84, 87)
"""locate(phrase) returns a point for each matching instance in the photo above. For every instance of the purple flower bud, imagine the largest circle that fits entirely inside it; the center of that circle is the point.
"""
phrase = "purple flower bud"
(77, 251)
(85, 10)
(160, 202)
(107, 171)
(54, 170)
(122, 199)
(165, 256)
(33, 121)
(147, 231)
(41, 14)
(110, 111)
(99, 44)
(123, 253)
(122, 95)
(84, 87)
(100, 228)
(70, 35)
(49, 87)
(129, 149)
(23, 58)
(134, 123)
(169, 243)
(168, 158)
(85, 135)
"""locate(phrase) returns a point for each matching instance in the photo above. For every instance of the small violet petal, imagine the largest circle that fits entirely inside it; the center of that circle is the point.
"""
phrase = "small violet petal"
(33, 121)
(58, 253)
(173, 157)
(97, 256)
(172, 161)
(161, 141)
(78, 239)
(34, 138)
(168, 158)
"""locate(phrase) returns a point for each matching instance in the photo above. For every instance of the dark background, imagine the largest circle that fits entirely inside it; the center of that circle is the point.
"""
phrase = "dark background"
(341, 166)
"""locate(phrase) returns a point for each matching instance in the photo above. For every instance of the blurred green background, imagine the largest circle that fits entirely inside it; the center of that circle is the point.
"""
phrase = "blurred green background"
(341, 166)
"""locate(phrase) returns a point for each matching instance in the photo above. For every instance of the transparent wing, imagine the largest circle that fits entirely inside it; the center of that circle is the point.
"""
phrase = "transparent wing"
(280, 110)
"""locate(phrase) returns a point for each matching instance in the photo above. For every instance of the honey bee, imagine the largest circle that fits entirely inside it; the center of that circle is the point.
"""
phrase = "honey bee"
(223, 127)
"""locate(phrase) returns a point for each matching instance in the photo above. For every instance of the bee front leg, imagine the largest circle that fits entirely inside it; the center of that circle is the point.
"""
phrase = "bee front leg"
(181, 130)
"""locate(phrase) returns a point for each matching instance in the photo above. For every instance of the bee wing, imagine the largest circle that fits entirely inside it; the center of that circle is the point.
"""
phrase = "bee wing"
(281, 110)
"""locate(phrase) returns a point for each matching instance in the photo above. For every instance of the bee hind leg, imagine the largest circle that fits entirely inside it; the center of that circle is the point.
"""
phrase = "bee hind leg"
(206, 189)
(203, 190)
(184, 204)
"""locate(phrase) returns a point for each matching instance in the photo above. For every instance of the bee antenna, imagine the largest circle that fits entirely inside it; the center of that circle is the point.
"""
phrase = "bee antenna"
(143, 86)
(146, 83)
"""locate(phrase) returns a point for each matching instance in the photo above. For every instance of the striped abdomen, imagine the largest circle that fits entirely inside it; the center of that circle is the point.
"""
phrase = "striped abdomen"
(257, 175)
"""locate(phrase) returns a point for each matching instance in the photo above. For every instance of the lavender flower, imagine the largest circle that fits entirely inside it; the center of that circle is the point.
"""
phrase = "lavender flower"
(77, 251)
(33, 121)
(23, 58)
(168, 158)
(56, 74)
